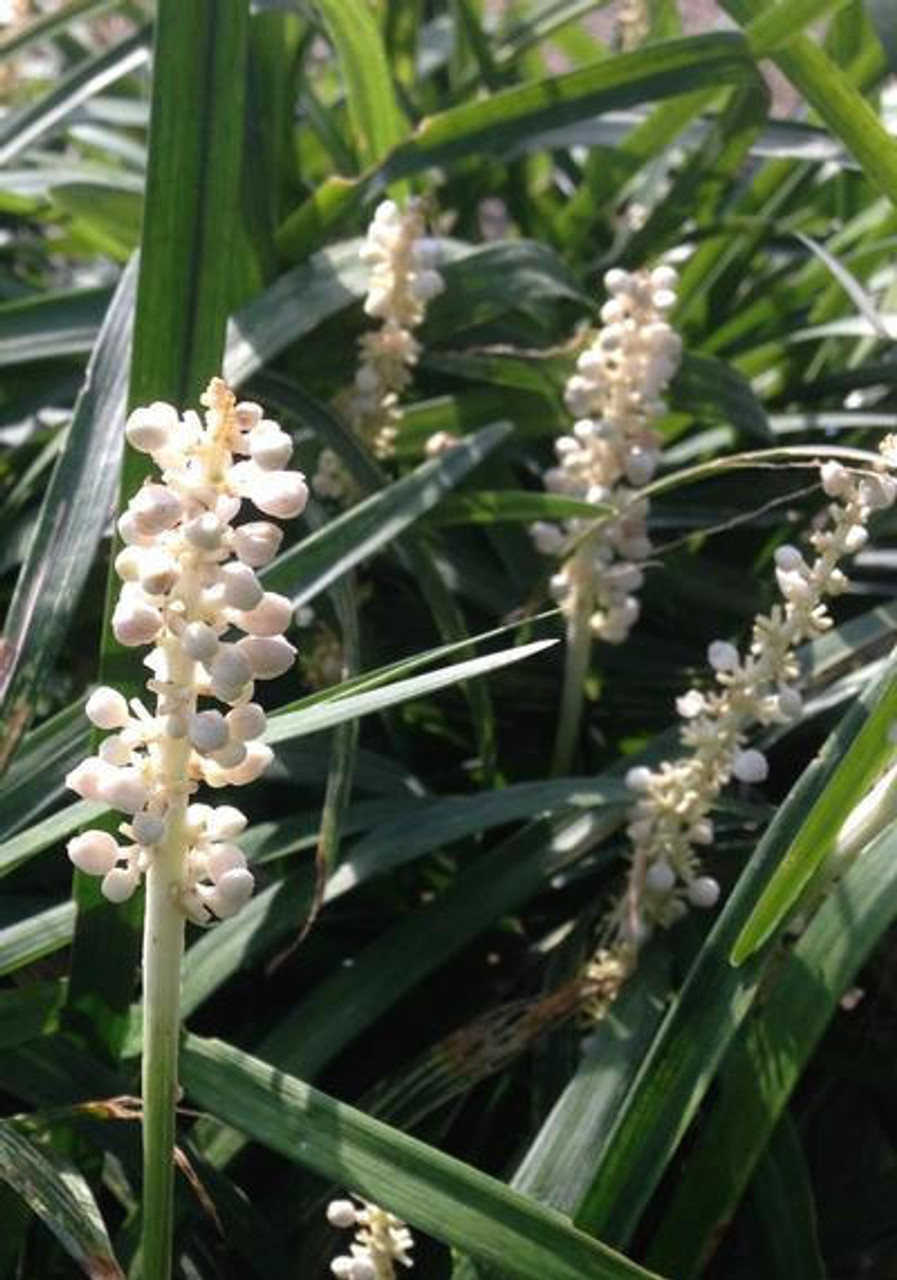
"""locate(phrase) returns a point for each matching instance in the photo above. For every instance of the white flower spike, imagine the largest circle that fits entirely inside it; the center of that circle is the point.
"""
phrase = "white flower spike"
(612, 451)
(190, 589)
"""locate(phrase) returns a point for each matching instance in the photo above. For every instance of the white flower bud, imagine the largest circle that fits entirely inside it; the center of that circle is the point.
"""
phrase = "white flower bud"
(691, 704)
(268, 656)
(248, 415)
(242, 589)
(135, 623)
(204, 532)
(123, 789)
(362, 1269)
(855, 539)
(660, 877)
(835, 479)
(257, 543)
(723, 656)
(127, 564)
(226, 821)
(341, 1213)
(789, 558)
(119, 884)
(549, 538)
(115, 750)
(148, 828)
(232, 892)
(703, 892)
(130, 532)
(270, 448)
(246, 722)
(107, 709)
(231, 666)
(208, 731)
(750, 766)
(341, 1267)
(224, 857)
(158, 573)
(279, 493)
(270, 617)
(199, 641)
(639, 778)
(87, 777)
(94, 852)
(198, 818)
(149, 429)
(155, 508)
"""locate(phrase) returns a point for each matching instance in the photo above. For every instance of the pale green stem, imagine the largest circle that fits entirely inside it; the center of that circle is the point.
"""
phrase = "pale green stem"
(163, 947)
(576, 664)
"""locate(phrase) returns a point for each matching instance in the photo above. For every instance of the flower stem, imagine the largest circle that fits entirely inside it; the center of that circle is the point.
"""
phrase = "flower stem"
(576, 664)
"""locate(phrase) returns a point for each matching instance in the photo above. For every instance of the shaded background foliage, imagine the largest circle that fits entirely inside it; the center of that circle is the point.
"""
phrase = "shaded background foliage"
(723, 1121)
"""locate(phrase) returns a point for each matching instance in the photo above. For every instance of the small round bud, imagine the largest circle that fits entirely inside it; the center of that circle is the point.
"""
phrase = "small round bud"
(270, 617)
(226, 821)
(119, 885)
(107, 709)
(94, 852)
(232, 892)
(127, 564)
(198, 818)
(242, 589)
(208, 731)
(87, 777)
(362, 1269)
(231, 667)
(135, 623)
(230, 755)
(341, 1213)
(246, 722)
(269, 447)
(722, 656)
(639, 778)
(268, 656)
(123, 789)
(115, 750)
(155, 508)
(703, 892)
(148, 828)
(148, 429)
(199, 641)
(158, 573)
(223, 858)
(341, 1267)
(257, 543)
(660, 877)
(789, 558)
(835, 479)
(279, 493)
(750, 766)
(204, 532)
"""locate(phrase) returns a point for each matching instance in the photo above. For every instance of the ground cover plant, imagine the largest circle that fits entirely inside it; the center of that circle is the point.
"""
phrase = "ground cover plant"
(447, 692)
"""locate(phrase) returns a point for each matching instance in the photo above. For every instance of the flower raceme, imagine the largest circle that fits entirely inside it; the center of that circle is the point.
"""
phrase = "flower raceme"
(403, 281)
(189, 588)
(669, 822)
(381, 1240)
(613, 451)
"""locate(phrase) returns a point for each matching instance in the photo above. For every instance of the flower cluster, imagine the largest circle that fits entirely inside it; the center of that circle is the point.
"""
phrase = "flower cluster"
(404, 279)
(612, 451)
(633, 24)
(189, 588)
(381, 1240)
(669, 821)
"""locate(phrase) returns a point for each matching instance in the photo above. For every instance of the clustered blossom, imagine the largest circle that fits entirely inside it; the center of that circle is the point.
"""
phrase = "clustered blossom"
(189, 588)
(404, 279)
(669, 822)
(381, 1240)
(633, 24)
(612, 451)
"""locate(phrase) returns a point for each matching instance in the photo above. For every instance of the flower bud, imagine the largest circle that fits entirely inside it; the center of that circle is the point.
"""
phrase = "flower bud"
(223, 858)
(258, 756)
(107, 709)
(127, 564)
(119, 885)
(342, 1213)
(660, 877)
(246, 722)
(703, 892)
(154, 509)
(123, 789)
(270, 448)
(208, 731)
(257, 543)
(149, 429)
(204, 532)
(242, 589)
(115, 750)
(270, 617)
(231, 667)
(750, 766)
(199, 641)
(279, 493)
(158, 573)
(94, 852)
(226, 821)
(232, 892)
(135, 623)
(86, 778)
(268, 656)
(230, 755)
(723, 656)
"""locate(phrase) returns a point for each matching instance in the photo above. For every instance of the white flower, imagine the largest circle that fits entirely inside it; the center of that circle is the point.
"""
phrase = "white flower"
(182, 592)
(381, 1240)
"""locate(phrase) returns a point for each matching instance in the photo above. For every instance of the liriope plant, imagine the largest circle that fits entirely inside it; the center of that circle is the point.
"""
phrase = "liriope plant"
(189, 590)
